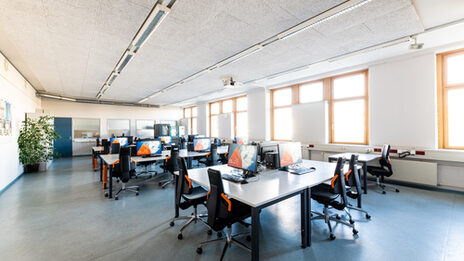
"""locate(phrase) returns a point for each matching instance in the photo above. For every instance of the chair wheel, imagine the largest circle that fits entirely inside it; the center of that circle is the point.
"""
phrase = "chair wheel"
(180, 236)
(160, 183)
(199, 250)
(219, 234)
(115, 198)
(136, 193)
(137, 189)
(106, 194)
(163, 187)
(368, 216)
(210, 232)
(355, 231)
(397, 190)
(383, 192)
(351, 221)
(338, 217)
(248, 238)
(171, 224)
(332, 237)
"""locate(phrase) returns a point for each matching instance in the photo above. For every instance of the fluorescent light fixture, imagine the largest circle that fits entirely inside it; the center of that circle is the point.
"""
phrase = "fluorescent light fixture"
(113, 77)
(68, 99)
(152, 22)
(143, 100)
(50, 96)
(126, 58)
(194, 76)
(322, 18)
(236, 57)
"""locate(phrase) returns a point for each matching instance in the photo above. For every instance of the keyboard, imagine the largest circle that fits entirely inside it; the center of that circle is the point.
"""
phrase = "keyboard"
(151, 155)
(301, 170)
(234, 178)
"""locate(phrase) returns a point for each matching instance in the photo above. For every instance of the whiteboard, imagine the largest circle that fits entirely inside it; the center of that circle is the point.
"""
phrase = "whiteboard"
(311, 122)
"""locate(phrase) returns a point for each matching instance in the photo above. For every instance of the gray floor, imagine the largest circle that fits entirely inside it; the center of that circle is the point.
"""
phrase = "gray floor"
(63, 215)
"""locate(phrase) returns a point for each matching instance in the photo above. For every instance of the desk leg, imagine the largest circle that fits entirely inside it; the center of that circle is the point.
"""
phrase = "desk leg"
(105, 176)
(304, 216)
(365, 177)
(110, 187)
(101, 170)
(189, 162)
(176, 207)
(255, 234)
(308, 217)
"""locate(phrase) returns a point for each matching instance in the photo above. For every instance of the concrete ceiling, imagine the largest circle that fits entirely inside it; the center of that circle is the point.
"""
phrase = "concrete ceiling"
(70, 47)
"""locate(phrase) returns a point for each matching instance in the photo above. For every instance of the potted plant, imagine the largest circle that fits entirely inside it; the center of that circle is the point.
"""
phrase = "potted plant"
(35, 142)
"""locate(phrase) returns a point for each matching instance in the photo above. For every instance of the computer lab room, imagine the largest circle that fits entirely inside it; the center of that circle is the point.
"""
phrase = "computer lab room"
(232, 130)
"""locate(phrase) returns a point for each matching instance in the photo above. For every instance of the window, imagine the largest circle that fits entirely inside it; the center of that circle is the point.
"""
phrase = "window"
(238, 106)
(118, 127)
(86, 128)
(347, 96)
(191, 115)
(450, 96)
(348, 107)
(144, 128)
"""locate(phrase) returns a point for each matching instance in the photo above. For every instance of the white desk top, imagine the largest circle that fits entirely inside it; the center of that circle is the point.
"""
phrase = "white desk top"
(362, 156)
(268, 185)
(98, 148)
(189, 154)
(112, 158)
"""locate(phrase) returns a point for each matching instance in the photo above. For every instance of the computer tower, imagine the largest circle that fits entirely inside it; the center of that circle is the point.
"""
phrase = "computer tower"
(272, 160)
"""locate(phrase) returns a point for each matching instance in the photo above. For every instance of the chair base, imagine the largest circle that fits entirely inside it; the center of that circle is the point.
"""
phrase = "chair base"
(229, 241)
(327, 217)
(124, 188)
(164, 183)
(195, 217)
(350, 207)
(382, 186)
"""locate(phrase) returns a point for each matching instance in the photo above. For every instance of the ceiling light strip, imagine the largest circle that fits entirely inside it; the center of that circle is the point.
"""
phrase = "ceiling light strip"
(151, 23)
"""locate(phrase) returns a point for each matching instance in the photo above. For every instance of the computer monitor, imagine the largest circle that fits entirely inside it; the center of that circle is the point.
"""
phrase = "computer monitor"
(165, 139)
(290, 153)
(123, 141)
(239, 140)
(243, 157)
(202, 144)
(161, 130)
(266, 148)
(148, 147)
(191, 137)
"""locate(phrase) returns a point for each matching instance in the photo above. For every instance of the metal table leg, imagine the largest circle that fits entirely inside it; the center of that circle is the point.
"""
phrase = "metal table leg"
(365, 177)
(110, 186)
(255, 234)
(304, 221)
(308, 217)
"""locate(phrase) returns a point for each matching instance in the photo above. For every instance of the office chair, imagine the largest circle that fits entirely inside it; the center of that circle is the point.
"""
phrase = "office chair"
(224, 212)
(106, 146)
(384, 170)
(353, 182)
(188, 196)
(212, 158)
(124, 169)
(171, 166)
(333, 195)
(98, 142)
(115, 147)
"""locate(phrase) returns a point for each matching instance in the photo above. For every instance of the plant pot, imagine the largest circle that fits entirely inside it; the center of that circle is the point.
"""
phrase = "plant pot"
(31, 168)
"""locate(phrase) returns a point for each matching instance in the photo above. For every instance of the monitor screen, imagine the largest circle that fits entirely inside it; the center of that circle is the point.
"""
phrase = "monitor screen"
(148, 147)
(123, 141)
(290, 153)
(165, 139)
(241, 141)
(161, 130)
(202, 144)
(243, 157)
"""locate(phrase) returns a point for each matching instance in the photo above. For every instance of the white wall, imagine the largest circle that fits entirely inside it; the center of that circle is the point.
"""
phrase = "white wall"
(258, 114)
(21, 95)
(202, 119)
(104, 113)
(403, 102)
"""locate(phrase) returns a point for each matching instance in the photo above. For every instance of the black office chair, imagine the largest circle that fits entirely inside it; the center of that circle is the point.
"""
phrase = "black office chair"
(384, 170)
(106, 146)
(212, 158)
(115, 147)
(189, 196)
(333, 195)
(124, 169)
(353, 182)
(171, 166)
(222, 213)
(98, 142)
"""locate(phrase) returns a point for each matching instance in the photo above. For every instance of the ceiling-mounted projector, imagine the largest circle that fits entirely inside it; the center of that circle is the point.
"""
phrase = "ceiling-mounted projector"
(229, 83)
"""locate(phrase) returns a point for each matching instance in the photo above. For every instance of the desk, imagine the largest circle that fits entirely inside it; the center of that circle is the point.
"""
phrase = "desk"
(189, 155)
(222, 149)
(362, 158)
(271, 187)
(110, 159)
(95, 151)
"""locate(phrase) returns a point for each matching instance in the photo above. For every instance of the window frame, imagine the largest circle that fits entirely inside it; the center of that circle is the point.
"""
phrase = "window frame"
(442, 98)
(327, 84)
(234, 111)
(191, 117)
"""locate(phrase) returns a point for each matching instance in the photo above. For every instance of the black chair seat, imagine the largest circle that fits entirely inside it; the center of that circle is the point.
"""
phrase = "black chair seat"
(323, 193)
(198, 193)
(378, 171)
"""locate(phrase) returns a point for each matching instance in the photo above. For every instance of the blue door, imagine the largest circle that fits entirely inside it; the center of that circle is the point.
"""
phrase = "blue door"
(63, 145)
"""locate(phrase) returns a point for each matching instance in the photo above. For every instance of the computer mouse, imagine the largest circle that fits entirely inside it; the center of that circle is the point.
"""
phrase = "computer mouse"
(312, 168)
(244, 181)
